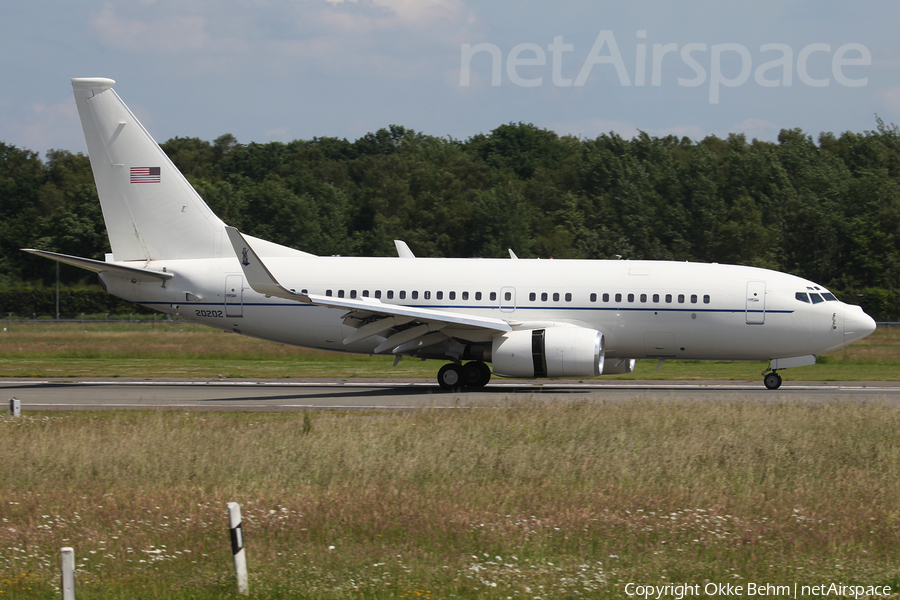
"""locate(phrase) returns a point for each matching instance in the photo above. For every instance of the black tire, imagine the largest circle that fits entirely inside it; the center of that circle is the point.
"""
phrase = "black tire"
(450, 377)
(485, 374)
(772, 381)
(476, 374)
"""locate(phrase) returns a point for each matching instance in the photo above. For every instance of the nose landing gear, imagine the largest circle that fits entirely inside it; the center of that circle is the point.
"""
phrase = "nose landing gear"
(472, 375)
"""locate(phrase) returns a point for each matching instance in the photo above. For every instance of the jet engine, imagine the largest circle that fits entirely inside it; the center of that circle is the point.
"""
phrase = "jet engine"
(550, 352)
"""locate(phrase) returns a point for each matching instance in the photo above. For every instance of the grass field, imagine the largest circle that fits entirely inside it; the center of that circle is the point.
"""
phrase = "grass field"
(530, 500)
(543, 499)
(45, 349)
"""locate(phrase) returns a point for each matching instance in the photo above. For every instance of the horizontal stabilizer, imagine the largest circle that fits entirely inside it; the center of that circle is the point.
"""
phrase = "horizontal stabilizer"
(98, 266)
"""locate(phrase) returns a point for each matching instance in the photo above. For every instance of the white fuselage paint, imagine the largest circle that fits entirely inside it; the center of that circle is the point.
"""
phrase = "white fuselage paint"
(733, 325)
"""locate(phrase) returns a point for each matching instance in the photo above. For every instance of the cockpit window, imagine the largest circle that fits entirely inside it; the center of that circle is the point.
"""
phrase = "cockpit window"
(816, 299)
(829, 296)
(802, 297)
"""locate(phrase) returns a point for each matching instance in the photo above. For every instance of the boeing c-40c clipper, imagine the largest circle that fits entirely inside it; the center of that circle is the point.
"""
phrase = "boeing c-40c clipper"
(526, 318)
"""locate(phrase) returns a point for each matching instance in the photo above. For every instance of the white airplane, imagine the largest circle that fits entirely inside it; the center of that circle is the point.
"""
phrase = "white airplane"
(527, 318)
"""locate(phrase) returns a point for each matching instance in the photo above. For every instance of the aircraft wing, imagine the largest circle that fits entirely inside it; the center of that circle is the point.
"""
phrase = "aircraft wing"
(371, 316)
(98, 266)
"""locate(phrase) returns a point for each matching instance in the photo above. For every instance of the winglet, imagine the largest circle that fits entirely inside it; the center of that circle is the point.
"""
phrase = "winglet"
(258, 275)
(403, 250)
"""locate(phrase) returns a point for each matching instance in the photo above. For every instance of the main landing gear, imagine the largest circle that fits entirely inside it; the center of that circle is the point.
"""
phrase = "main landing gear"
(472, 375)
(772, 380)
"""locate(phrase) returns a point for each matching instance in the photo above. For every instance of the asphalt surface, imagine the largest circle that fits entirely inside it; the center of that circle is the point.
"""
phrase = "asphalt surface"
(287, 395)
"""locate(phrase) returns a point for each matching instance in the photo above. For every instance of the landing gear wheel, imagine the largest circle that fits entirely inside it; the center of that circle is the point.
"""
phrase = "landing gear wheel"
(476, 374)
(772, 381)
(450, 377)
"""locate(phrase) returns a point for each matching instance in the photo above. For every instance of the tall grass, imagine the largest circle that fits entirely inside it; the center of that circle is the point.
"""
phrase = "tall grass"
(536, 499)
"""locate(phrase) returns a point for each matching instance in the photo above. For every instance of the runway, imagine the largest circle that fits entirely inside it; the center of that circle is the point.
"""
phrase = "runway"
(293, 395)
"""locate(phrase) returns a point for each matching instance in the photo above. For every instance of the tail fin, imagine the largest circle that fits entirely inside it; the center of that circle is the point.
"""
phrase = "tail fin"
(151, 211)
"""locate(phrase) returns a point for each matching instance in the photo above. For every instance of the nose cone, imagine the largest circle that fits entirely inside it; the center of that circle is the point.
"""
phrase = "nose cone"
(857, 324)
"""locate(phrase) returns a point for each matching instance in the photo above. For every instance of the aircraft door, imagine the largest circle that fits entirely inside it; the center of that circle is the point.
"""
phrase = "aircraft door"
(234, 295)
(508, 299)
(756, 302)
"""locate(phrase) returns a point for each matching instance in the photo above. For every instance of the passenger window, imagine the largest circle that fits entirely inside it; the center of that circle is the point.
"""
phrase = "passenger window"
(439, 295)
(655, 297)
(631, 297)
(493, 296)
(415, 295)
(543, 296)
(452, 295)
(706, 299)
(365, 293)
(643, 297)
(465, 295)
(693, 298)
(328, 292)
(428, 295)
(680, 298)
(816, 299)
(478, 295)
(606, 297)
(618, 297)
(304, 292)
(556, 296)
(390, 295)
(668, 298)
(568, 296)
(340, 293)
(353, 293)
(507, 296)
(403, 295)
(378, 293)
(593, 297)
(829, 296)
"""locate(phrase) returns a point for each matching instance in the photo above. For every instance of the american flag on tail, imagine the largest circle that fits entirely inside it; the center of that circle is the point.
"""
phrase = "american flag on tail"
(145, 175)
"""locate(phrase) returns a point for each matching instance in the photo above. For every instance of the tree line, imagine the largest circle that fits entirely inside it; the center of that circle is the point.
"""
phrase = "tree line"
(827, 209)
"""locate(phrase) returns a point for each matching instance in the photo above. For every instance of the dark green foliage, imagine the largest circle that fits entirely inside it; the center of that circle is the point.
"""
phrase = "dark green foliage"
(826, 209)
(72, 303)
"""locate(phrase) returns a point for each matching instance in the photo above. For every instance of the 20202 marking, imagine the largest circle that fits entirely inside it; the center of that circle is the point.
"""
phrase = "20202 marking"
(209, 313)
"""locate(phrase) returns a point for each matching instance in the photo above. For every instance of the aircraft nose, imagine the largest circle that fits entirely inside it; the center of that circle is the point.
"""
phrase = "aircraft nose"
(857, 324)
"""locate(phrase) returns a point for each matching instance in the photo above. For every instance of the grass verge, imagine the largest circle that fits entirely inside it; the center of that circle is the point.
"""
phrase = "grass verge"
(44, 349)
(530, 500)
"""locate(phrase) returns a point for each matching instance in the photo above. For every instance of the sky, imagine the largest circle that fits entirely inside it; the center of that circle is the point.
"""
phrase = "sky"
(280, 70)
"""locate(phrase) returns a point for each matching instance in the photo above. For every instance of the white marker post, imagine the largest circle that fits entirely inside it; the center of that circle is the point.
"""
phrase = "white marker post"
(15, 407)
(67, 559)
(237, 547)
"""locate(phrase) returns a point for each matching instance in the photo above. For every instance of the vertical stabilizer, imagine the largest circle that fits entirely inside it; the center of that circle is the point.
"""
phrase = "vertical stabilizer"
(151, 211)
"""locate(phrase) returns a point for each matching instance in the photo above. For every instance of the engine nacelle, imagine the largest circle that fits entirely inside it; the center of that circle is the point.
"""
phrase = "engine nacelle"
(551, 352)
(618, 366)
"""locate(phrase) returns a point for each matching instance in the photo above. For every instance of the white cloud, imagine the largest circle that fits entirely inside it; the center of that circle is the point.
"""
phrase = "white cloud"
(695, 132)
(170, 34)
(756, 128)
(45, 127)
(406, 13)
(279, 133)
(890, 99)
(592, 128)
